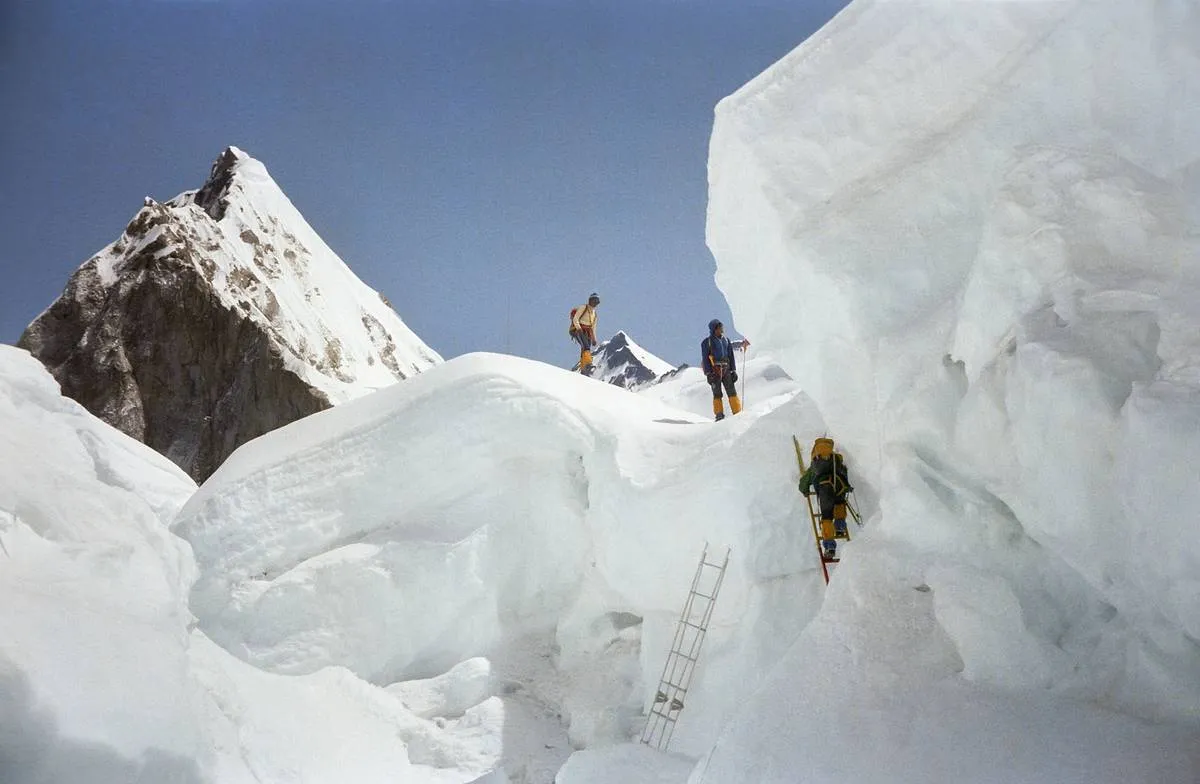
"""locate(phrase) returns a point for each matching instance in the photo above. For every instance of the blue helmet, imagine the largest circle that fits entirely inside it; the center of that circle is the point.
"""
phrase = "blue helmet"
(712, 325)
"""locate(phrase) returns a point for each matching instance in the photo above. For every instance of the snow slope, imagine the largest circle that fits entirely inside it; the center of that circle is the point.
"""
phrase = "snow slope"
(496, 507)
(500, 521)
(103, 677)
(761, 382)
(980, 217)
(501, 543)
(87, 558)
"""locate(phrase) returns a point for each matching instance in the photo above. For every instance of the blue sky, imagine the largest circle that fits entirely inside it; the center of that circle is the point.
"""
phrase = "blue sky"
(484, 164)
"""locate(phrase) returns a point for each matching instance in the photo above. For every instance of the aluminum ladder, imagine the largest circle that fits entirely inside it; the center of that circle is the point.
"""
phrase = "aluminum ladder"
(680, 666)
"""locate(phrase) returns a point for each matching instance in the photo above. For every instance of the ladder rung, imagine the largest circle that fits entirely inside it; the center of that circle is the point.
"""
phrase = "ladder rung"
(702, 595)
(682, 655)
(693, 625)
(714, 565)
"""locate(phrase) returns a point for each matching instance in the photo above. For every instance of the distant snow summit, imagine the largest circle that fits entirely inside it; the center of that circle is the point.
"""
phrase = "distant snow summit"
(622, 362)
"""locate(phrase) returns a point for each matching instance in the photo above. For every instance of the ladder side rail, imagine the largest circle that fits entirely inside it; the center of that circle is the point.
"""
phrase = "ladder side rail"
(812, 515)
(717, 588)
(657, 726)
(651, 727)
(668, 665)
(667, 739)
(670, 733)
(698, 641)
(708, 611)
(680, 627)
(680, 669)
(701, 630)
(663, 724)
(677, 642)
(700, 567)
(678, 692)
(681, 676)
(671, 687)
(690, 672)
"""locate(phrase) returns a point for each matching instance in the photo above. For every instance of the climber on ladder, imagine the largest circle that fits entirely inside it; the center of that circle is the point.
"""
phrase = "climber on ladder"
(828, 476)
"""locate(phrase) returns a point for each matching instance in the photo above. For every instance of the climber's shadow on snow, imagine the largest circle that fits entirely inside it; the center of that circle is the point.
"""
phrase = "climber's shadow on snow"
(33, 751)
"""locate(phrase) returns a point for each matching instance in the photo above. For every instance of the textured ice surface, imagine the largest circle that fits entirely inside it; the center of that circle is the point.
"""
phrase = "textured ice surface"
(968, 230)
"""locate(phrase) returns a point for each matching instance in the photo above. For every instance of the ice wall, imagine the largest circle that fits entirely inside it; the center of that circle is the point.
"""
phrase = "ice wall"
(969, 230)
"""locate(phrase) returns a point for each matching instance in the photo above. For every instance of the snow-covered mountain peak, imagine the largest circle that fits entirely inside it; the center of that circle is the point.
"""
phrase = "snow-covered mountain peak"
(222, 297)
(621, 361)
(343, 337)
(264, 261)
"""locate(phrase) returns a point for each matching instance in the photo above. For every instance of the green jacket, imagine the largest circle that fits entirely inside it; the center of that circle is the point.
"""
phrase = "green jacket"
(827, 471)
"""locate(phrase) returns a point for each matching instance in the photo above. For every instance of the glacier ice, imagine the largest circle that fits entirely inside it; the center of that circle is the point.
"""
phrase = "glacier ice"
(967, 230)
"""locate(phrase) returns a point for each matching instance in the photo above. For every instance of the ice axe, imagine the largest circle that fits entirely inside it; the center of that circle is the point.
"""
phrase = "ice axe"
(742, 374)
(854, 513)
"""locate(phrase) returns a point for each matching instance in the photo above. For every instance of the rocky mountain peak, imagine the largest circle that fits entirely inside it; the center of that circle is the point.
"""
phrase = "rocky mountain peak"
(217, 316)
(622, 362)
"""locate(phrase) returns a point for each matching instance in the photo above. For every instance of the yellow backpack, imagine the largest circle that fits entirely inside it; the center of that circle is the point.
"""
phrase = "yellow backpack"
(823, 450)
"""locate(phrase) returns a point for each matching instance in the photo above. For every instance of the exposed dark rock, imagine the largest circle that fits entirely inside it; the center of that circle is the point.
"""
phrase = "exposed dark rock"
(212, 195)
(670, 374)
(160, 357)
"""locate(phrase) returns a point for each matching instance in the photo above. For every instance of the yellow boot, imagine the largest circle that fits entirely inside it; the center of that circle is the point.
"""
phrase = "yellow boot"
(719, 408)
(585, 361)
(735, 405)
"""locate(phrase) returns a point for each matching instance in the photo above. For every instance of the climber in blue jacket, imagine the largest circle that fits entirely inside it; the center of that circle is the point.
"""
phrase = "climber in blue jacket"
(720, 368)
